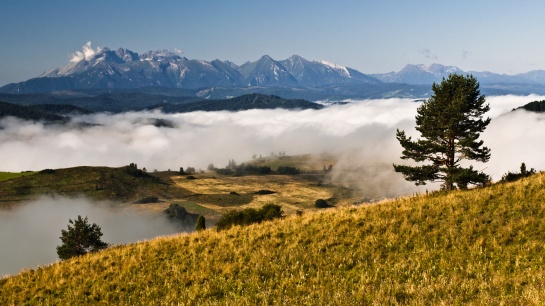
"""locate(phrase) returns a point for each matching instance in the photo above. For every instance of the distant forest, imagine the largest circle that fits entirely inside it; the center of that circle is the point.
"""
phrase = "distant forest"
(536, 106)
(245, 102)
(26, 106)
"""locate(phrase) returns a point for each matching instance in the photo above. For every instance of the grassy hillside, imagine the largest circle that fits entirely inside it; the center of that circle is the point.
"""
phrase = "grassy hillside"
(10, 175)
(99, 183)
(483, 246)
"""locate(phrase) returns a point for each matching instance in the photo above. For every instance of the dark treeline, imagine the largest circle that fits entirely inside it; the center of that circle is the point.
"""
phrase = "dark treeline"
(136, 101)
(27, 113)
(249, 169)
(535, 106)
(245, 102)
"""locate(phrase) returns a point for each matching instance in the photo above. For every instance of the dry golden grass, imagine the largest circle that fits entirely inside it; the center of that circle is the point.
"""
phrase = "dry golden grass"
(292, 192)
(476, 247)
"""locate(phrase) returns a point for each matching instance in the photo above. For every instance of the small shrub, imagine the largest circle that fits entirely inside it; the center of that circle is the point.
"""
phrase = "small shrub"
(190, 177)
(270, 212)
(513, 176)
(201, 224)
(176, 211)
(249, 216)
(264, 191)
(146, 200)
(321, 203)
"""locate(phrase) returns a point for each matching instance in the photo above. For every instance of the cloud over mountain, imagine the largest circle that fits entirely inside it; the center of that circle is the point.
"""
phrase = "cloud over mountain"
(86, 54)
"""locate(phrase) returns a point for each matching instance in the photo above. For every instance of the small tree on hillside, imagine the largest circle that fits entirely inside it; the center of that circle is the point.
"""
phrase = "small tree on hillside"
(80, 239)
(450, 123)
(201, 224)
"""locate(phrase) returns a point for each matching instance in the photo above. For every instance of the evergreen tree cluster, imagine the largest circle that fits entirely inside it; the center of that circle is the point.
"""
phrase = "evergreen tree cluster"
(288, 170)
(132, 170)
(242, 169)
(513, 176)
(321, 203)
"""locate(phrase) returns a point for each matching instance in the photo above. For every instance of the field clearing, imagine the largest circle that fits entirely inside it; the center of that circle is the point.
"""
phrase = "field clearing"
(4, 176)
(292, 192)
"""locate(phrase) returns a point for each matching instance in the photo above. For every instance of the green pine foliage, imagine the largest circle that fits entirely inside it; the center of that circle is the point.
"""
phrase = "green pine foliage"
(450, 123)
(80, 239)
(201, 224)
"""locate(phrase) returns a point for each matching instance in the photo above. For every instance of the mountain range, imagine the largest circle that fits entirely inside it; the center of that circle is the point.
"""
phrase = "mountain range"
(295, 77)
(126, 69)
(422, 74)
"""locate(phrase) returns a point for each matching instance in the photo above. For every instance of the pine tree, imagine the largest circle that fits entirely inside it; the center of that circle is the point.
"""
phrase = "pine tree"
(201, 224)
(80, 238)
(450, 123)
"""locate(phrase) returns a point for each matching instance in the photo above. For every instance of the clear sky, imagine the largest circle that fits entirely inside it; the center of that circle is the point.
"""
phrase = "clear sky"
(370, 36)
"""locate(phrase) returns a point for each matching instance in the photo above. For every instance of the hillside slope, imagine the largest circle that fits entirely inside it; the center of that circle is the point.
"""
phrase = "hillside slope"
(478, 246)
(98, 183)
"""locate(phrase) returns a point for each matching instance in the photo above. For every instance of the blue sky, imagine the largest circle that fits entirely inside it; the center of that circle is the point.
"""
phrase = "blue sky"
(371, 36)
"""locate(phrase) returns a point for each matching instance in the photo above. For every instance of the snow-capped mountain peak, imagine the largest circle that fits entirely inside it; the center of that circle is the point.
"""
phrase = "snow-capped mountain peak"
(344, 71)
(122, 68)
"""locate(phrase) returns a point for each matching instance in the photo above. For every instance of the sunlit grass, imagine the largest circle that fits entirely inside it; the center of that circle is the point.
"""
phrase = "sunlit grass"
(292, 192)
(482, 246)
(9, 175)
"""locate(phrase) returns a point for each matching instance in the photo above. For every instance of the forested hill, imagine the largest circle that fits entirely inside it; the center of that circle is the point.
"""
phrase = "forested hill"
(28, 113)
(60, 109)
(535, 106)
(245, 102)
(135, 101)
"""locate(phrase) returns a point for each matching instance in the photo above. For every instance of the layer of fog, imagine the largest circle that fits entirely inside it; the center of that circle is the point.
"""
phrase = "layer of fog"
(29, 233)
(363, 131)
(360, 134)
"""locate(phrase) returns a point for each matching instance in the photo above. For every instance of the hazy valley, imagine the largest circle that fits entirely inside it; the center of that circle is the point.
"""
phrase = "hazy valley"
(356, 138)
